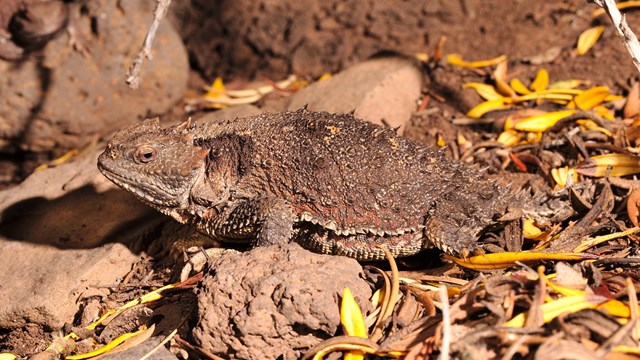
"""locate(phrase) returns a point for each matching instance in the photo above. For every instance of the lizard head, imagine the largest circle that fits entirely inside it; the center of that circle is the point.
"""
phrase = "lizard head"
(159, 166)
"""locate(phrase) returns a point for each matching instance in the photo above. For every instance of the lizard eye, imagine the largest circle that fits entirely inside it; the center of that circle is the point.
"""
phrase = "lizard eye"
(145, 154)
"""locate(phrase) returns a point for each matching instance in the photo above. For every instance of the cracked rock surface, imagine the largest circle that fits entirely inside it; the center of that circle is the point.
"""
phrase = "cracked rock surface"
(274, 302)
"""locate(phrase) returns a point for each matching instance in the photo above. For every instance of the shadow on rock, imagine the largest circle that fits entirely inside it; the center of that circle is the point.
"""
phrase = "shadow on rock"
(80, 219)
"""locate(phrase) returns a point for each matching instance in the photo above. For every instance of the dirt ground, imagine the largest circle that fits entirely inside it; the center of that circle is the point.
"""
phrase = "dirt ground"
(242, 41)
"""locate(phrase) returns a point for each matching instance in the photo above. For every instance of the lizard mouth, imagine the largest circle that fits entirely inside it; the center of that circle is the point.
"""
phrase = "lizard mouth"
(151, 194)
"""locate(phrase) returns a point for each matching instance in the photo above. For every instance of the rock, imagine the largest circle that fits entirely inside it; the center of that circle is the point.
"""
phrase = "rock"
(274, 302)
(54, 233)
(60, 98)
(383, 90)
(244, 38)
(139, 351)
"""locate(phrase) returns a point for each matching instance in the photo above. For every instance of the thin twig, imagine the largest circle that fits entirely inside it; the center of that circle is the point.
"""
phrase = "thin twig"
(446, 324)
(133, 75)
(629, 39)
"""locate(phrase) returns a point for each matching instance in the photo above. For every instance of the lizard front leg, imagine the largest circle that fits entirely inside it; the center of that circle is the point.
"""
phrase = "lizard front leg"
(275, 218)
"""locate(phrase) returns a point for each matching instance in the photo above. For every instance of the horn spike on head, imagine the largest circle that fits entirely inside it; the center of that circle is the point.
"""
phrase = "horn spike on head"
(185, 126)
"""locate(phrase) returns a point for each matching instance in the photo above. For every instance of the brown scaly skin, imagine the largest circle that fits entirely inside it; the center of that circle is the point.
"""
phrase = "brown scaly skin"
(333, 183)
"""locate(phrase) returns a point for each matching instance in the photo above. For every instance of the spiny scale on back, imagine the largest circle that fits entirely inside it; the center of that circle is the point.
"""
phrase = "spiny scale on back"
(333, 183)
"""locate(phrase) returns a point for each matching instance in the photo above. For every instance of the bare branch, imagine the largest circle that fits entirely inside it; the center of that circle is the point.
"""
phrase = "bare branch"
(133, 75)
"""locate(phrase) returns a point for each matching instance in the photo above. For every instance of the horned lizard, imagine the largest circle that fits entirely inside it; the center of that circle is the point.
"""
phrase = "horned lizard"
(333, 183)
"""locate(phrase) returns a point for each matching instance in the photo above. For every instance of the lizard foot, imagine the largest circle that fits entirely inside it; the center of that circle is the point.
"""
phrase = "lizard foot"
(197, 258)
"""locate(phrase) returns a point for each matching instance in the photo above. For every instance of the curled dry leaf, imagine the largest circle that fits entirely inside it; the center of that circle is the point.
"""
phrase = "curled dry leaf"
(504, 89)
(456, 59)
(588, 38)
(485, 91)
(519, 87)
(541, 81)
(487, 106)
(590, 98)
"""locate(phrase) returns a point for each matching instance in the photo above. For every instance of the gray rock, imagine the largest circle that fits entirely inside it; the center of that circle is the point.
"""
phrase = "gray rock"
(53, 228)
(274, 302)
(60, 98)
(141, 350)
(383, 91)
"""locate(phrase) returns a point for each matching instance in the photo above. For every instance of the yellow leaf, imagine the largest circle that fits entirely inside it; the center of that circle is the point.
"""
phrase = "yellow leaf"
(486, 91)
(324, 76)
(508, 259)
(351, 316)
(7, 356)
(566, 304)
(519, 87)
(591, 125)
(530, 230)
(352, 321)
(545, 96)
(560, 289)
(62, 159)
(626, 349)
(603, 238)
(456, 59)
(533, 137)
(540, 123)
(377, 297)
(613, 97)
(620, 6)
(509, 138)
(504, 88)
(541, 81)
(615, 308)
(422, 57)
(565, 91)
(216, 89)
(487, 106)
(562, 175)
(461, 140)
(567, 84)
(588, 38)
(604, 112)
(591, 97)
(620, 165)
(500, 72)
(115, 342)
